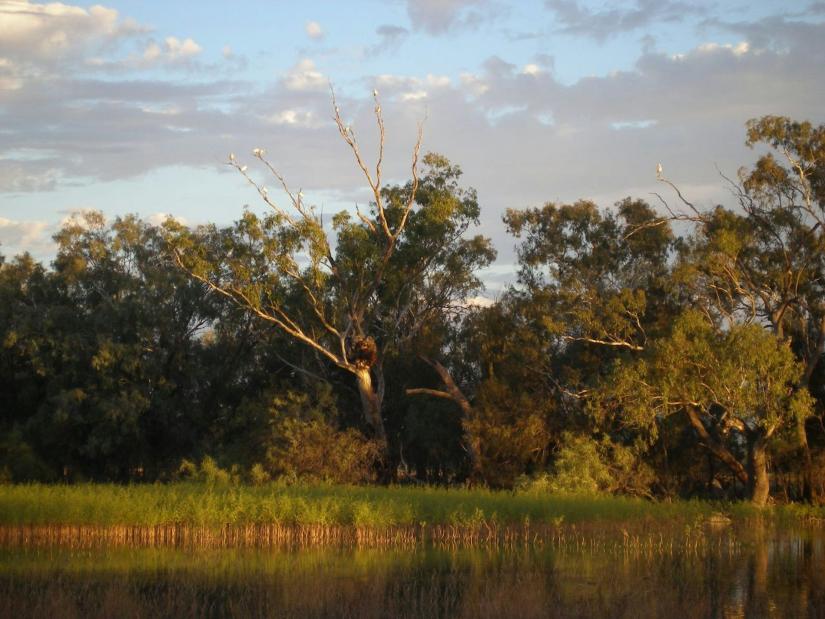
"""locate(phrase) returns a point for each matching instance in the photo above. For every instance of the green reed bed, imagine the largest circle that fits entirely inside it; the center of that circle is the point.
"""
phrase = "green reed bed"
(208, 515)
(216, 505)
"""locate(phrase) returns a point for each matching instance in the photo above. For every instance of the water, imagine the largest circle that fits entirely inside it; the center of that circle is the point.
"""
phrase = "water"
(775, 574)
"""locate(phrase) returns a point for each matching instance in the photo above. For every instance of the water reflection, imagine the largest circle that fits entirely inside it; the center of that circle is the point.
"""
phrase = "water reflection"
(770, 575)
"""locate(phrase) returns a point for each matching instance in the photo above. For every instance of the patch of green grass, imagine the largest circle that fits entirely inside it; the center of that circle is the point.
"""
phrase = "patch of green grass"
(214, 504)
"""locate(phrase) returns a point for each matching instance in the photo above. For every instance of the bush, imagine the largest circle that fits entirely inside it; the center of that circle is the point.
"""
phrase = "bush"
(584, 465)
(512, 433)
(208, 472)
(314, 450)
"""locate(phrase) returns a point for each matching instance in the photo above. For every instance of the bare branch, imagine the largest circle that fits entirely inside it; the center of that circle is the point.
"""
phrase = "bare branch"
(613, 342)
(433, 392)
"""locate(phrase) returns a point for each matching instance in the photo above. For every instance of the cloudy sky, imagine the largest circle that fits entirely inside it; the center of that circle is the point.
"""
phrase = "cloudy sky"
(133, 106)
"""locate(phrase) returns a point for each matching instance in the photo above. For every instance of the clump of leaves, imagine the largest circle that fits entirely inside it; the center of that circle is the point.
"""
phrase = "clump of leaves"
(586, 465)
(315, 451)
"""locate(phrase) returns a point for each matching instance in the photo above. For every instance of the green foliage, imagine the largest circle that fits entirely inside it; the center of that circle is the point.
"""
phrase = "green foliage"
(315, 451)
(220, 504)
(207, 472)
(512, 430)
(584, 465)
(742, 374)
(19, 462)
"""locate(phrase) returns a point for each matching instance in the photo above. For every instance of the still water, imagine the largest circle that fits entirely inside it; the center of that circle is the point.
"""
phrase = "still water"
(779, 574)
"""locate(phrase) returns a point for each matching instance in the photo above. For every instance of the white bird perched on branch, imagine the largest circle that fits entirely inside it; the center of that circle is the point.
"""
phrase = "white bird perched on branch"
(658, 170)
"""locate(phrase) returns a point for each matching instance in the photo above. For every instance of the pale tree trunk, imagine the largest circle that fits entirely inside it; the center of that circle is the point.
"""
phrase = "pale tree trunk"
(760, 483)
(370, 404)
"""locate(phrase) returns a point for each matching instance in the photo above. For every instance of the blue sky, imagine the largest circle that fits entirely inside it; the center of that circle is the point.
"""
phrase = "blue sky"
(133, 106)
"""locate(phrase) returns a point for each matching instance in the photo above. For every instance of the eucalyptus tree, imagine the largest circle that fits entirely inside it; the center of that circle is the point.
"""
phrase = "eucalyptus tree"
(764, 262)
(592, 287)
(119, 344)
(723, 381)
(356, 294)
(489, 365)
(596, 280)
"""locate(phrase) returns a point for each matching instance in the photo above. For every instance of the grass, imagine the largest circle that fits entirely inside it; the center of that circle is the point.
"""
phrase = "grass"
(216, 515)
(201, 504)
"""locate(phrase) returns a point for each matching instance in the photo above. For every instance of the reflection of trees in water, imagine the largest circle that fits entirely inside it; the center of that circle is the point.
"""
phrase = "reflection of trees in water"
(782, 576)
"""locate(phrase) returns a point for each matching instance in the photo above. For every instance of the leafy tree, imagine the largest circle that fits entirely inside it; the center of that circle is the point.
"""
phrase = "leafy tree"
(596, 280)
(765, 262)
(728, 383)
(494, 374)
(117, 350)
(357, 299)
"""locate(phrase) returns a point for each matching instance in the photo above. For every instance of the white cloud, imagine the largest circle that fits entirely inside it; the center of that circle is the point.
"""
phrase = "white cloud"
(313, 30)
(521, 135)
(163, 110)
(474, 84)
(177, 49)
(157, 219)
(172, 51)
(390, 38)
(612, 19)
(305, 76)
(54, 32)
(437, 81)
(23, 174)
(33, 236)
(740, 49)
(9, 76)
(152, 52)
(410, 88)
(632, 124)
(79, 216)
(415, 95)
(49, 40)
(479, 301)
(21, 233)
(294, 117)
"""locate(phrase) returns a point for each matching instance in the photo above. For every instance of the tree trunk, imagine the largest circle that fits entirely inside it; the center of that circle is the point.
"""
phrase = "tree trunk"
(370, 404)
(717, 448)
(760, 484)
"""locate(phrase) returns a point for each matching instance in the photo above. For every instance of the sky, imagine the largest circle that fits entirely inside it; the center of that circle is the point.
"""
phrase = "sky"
(133, 106)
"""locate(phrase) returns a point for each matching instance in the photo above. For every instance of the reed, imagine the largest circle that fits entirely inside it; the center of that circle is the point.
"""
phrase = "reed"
(207, 515)
(210, 505)
(641, 539)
